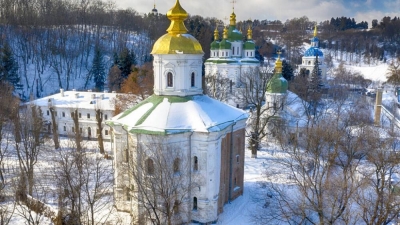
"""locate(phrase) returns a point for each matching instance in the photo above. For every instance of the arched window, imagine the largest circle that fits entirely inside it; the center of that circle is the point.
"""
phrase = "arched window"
(177, 165)
(196, 164)
(89, 132)
(194, 203)
(150, 166)
(170, 82)
(192, 79)
(176, 207)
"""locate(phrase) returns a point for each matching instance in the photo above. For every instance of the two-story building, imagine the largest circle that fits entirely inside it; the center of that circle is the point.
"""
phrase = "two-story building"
(86, 102)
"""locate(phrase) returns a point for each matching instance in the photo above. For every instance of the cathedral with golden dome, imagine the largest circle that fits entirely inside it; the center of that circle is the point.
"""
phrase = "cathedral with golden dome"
(233, 55)
(178, 151)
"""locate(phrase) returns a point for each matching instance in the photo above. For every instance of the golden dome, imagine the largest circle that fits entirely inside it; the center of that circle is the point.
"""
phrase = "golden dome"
(315, 30)
(233, 19)
(278, 63)
(216, 34)
(249, 33)
(177, 41)
(225, 33)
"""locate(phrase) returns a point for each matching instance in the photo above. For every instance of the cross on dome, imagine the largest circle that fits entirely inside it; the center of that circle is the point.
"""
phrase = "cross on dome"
(233, 4)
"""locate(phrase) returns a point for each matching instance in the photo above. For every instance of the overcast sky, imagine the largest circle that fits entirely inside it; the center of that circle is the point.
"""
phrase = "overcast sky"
(315, 10)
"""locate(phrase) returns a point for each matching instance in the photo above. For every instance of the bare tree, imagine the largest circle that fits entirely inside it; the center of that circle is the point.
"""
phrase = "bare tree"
(28, 127)
(218, 87)
(253, 86)
(161, 183)
(54, 127)
(99, 123)
(8, 102)
(76, 130)
(378, 197)
(85, 184)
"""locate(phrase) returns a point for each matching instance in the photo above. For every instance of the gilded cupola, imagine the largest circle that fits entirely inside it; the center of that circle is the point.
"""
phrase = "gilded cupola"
(177, 40)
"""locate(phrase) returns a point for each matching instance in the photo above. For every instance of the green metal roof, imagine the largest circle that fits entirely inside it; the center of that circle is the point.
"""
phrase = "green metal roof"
(277, 84)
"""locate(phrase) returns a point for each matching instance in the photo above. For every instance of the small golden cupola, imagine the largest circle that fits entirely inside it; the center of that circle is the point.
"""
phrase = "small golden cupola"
(177, 40)
(278, 63)
(249, 33)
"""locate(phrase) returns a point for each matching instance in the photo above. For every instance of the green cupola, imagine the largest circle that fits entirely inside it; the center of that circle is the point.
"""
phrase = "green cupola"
(215, 43)
(225, 43)
(249, 44)
(278, 84)
(233, 33)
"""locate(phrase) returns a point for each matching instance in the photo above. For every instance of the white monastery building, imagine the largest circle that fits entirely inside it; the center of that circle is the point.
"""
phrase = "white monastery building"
(231, 57)
(65, 102)
(203, 133)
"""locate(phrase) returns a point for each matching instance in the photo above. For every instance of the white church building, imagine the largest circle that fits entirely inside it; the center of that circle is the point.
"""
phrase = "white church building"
(310, 56)
(208, 135)
(231, 57)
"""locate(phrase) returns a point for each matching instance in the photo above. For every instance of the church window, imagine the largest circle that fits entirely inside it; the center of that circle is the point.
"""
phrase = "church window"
(105, 117)
(274, 105)
(222, 53)
(150, 166)
(170, 82)
(63, 114)
(48, 112)
(234, 182)
(106, 132)
(89, 131)
(80, 115)
(88, 115)
(237, 158)
(309, 62)
(247, 53)
(65, 128)
(196, 164)
(192, 79)
(194, 203)
(126, 155)
(128, 196)
(176, 207)
(177, 163)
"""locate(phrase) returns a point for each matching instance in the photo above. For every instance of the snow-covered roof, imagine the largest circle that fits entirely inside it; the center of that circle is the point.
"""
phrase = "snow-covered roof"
(173, 114)
(78, 99)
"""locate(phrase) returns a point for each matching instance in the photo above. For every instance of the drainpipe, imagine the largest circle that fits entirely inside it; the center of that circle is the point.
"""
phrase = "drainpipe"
(230, 164)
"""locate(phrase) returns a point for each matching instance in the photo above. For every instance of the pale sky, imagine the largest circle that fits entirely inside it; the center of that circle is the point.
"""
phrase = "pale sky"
(315, 10)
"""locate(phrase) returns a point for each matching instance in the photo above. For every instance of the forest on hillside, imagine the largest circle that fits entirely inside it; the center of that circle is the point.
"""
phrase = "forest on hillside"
(91, 44)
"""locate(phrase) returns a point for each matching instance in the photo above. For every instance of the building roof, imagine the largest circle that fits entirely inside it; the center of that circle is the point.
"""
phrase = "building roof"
(313, 51)
(173, 114)
(78, 99)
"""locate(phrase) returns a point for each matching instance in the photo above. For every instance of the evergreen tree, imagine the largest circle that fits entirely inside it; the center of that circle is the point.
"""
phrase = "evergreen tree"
(287, 70)
(315, 80)
(126, 59)
(97, 71)
(9, 67)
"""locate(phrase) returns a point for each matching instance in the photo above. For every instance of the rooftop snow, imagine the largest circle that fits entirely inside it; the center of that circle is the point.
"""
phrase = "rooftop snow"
(78, 99)
(171, 114)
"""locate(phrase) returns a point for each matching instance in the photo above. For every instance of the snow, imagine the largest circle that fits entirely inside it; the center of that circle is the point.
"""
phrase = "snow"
(84, 100)
(201, 113)
(374, 72)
